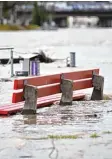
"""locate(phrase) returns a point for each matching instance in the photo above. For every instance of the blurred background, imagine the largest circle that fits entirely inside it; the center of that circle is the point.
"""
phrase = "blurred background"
(19, 15)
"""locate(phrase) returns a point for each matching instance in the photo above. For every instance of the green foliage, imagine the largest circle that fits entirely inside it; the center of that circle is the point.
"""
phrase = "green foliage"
(17, 27)
(8, 6)
(5, 9)
(63, 136)
(94, 135)
(39, 14)
(107, 97)
(31, 27)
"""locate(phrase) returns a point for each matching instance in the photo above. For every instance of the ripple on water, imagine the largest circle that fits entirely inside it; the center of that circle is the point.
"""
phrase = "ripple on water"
(83, 116)
(25, 135)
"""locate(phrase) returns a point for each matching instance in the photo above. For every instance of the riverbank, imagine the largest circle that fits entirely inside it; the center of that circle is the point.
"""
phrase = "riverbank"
(17, 27)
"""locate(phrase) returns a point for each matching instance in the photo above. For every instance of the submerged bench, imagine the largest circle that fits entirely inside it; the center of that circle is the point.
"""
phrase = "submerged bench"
(49, 89)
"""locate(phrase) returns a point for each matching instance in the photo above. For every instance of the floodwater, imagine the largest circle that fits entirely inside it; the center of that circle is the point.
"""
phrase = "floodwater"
(28, 136)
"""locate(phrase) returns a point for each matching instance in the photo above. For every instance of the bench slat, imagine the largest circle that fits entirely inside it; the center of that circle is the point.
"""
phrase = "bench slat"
(82, 84)
(42, 91)
(53, 89)
(13, 108)
(50, 79)
(37, 81)
(77, 75)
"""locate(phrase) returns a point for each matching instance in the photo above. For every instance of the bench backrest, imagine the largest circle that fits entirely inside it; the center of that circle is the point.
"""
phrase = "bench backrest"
(50, 84)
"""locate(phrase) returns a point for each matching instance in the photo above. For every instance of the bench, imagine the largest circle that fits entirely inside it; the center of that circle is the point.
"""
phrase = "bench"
(48, 87)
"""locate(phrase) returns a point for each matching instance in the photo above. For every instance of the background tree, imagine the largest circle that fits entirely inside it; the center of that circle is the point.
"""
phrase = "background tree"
(39, 14)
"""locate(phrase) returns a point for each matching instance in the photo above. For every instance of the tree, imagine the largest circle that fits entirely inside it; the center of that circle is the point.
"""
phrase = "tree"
(39, 14)
(9, 10)
(36, 14)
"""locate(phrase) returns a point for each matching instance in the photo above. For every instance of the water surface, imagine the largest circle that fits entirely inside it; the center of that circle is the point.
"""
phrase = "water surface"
(23, 136)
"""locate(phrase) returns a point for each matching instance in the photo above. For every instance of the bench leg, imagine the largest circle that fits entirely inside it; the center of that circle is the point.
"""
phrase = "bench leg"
(30, 95)
(98, 84)
(67, 92)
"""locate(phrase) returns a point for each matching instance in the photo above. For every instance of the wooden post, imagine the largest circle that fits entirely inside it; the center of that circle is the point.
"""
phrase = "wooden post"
(98, 84)
(67, 91)
(11, 58)
(30, 95)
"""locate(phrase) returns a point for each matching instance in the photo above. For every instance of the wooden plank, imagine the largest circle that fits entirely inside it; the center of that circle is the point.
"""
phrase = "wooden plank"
(49, 90)
(37, 81)
(39, 100)
(3, 112)
(82, 84)
(17, 97)
(42, 91)
(13, 108)
(10, 105)
(50, 101)
(50, 79)
(82, 74)
(53, 89)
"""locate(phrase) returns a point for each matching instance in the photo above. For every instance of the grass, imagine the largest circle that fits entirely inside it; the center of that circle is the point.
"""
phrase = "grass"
(107, 97)
(31, 27)
(107, 132)
(59, 137)
(94, 135)
(17, 27)
(52, 137)
(63, 136)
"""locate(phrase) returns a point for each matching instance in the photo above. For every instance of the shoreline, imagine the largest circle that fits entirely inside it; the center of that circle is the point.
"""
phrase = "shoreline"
(18, 27)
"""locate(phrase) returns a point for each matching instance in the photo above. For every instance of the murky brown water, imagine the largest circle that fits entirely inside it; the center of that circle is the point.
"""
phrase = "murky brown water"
(28, 136)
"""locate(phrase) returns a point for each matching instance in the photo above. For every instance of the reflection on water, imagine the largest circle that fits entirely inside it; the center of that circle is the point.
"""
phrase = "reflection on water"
(27, 135)
(29, 119)
(83, 113)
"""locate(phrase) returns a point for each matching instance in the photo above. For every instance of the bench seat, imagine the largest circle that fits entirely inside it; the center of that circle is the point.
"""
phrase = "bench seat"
(41, 102)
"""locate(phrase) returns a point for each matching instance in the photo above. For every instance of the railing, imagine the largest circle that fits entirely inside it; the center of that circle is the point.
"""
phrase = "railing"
(11, 57)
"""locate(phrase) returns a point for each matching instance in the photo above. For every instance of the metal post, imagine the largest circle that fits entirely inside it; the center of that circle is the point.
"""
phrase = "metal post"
(11, 63)
(68, 61)
(72, 59)
(38, 68)
(35, 67)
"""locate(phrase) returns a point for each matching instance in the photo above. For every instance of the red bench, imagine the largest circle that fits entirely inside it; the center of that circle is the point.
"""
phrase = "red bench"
(48, 89)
